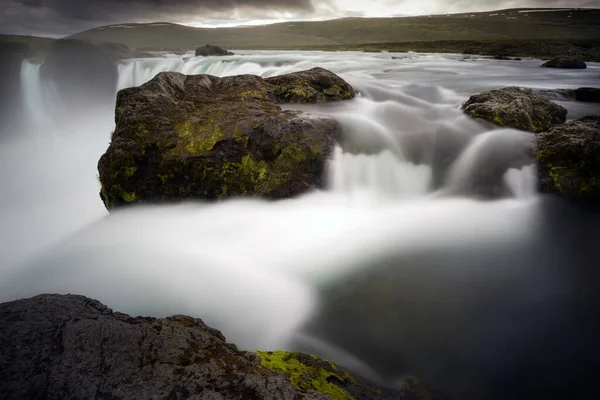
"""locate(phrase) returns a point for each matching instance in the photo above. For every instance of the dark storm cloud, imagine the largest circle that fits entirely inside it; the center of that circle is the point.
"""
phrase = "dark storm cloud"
(61, 17)
(69, 16)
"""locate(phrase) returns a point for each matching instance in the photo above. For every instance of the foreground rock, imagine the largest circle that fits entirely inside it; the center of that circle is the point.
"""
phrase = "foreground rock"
(85, 74)
(568, 159)
(211, 50)
(565, 63)
(204, 137)
(59, 347)
(515, 107)
(588, 95)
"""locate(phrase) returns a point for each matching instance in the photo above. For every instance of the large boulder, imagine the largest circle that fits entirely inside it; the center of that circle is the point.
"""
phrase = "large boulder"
(59, 347)
(204, 137)
(212, 50)
(515, 107)
(565, 63)
(84, 74)
(588, 94)
(568, 158)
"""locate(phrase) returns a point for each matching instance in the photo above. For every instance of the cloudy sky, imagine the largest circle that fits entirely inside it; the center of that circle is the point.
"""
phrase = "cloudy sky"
(63, 17)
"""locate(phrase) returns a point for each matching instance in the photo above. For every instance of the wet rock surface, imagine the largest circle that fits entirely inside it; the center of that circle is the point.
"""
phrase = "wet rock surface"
(515, 107)
(203, 137)
(67, 346)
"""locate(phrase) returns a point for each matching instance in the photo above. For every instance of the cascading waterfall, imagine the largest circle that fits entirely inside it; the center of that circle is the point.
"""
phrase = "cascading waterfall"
(256, 270)
(40, 98)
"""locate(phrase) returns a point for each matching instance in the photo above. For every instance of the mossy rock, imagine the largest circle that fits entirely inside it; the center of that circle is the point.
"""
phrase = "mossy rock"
(568, 158)
(515, 107)
(565, 63)
(203, 137)
(316, 85)
(308, 373)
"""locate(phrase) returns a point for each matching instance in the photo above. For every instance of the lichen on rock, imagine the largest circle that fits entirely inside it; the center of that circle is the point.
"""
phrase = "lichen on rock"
(568, 158)
(515, 107)
(204, 137)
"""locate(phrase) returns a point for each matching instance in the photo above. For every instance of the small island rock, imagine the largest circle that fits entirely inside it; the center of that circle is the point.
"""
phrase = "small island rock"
(515, 107)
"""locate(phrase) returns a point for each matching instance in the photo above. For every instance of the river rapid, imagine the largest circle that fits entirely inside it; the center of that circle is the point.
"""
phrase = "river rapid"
(398, 267)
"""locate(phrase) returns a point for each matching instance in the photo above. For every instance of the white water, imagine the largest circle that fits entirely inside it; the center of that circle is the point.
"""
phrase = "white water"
(251, 268)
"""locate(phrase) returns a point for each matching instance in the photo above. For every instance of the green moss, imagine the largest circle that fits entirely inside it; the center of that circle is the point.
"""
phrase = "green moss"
(333, 90)
(117, 192)
(164, 178)
(254, 94)
(317, 376)
(565, 177)
(197, 138)
(130, 171)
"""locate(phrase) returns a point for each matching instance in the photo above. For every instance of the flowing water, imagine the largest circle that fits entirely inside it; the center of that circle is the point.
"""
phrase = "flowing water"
(403, 190)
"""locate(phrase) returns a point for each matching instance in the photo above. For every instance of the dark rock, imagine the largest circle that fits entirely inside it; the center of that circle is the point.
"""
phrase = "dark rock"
(316, 85)
(85, 74)
(588, 94)
(211, 138)
(211, 50)
(59, 347)
(565, 63)
(517, 59)
(501, 57)
(568, 159)
(515, 107)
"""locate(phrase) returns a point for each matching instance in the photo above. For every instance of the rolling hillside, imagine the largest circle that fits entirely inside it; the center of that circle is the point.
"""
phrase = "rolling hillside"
(522, 24)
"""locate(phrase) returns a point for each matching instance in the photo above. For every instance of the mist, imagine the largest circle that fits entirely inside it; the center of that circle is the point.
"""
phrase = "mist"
(402, 265)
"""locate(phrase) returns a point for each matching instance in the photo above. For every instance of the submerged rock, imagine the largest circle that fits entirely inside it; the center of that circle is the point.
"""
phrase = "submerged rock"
(568, 158)
(588, 94)
(565, 63)
(212, 50)
(58, 347)
(515, 107)
(204, 137)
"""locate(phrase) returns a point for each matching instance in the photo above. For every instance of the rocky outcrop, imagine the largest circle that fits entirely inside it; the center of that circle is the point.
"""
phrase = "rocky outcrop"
(85, 74)
(515, 107)
(59, 347)
(565, 63)
(588, 94)
(211, 50)
(204, 137)
(568, 158)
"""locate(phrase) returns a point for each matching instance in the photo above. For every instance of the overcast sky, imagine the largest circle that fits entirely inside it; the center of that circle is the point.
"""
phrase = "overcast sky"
(63, 17)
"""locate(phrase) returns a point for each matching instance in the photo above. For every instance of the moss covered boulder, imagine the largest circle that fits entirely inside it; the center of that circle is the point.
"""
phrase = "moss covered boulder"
(313, 86)
(568, 158)
(515, 107)
(204, 137)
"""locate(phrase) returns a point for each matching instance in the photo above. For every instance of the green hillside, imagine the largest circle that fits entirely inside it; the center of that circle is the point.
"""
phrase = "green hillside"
(497, 25)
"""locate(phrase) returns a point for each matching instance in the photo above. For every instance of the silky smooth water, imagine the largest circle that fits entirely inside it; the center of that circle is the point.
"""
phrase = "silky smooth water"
(254, 269)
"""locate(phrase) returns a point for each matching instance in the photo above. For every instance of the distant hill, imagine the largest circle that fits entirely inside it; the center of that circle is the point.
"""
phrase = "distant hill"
(521, 24)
